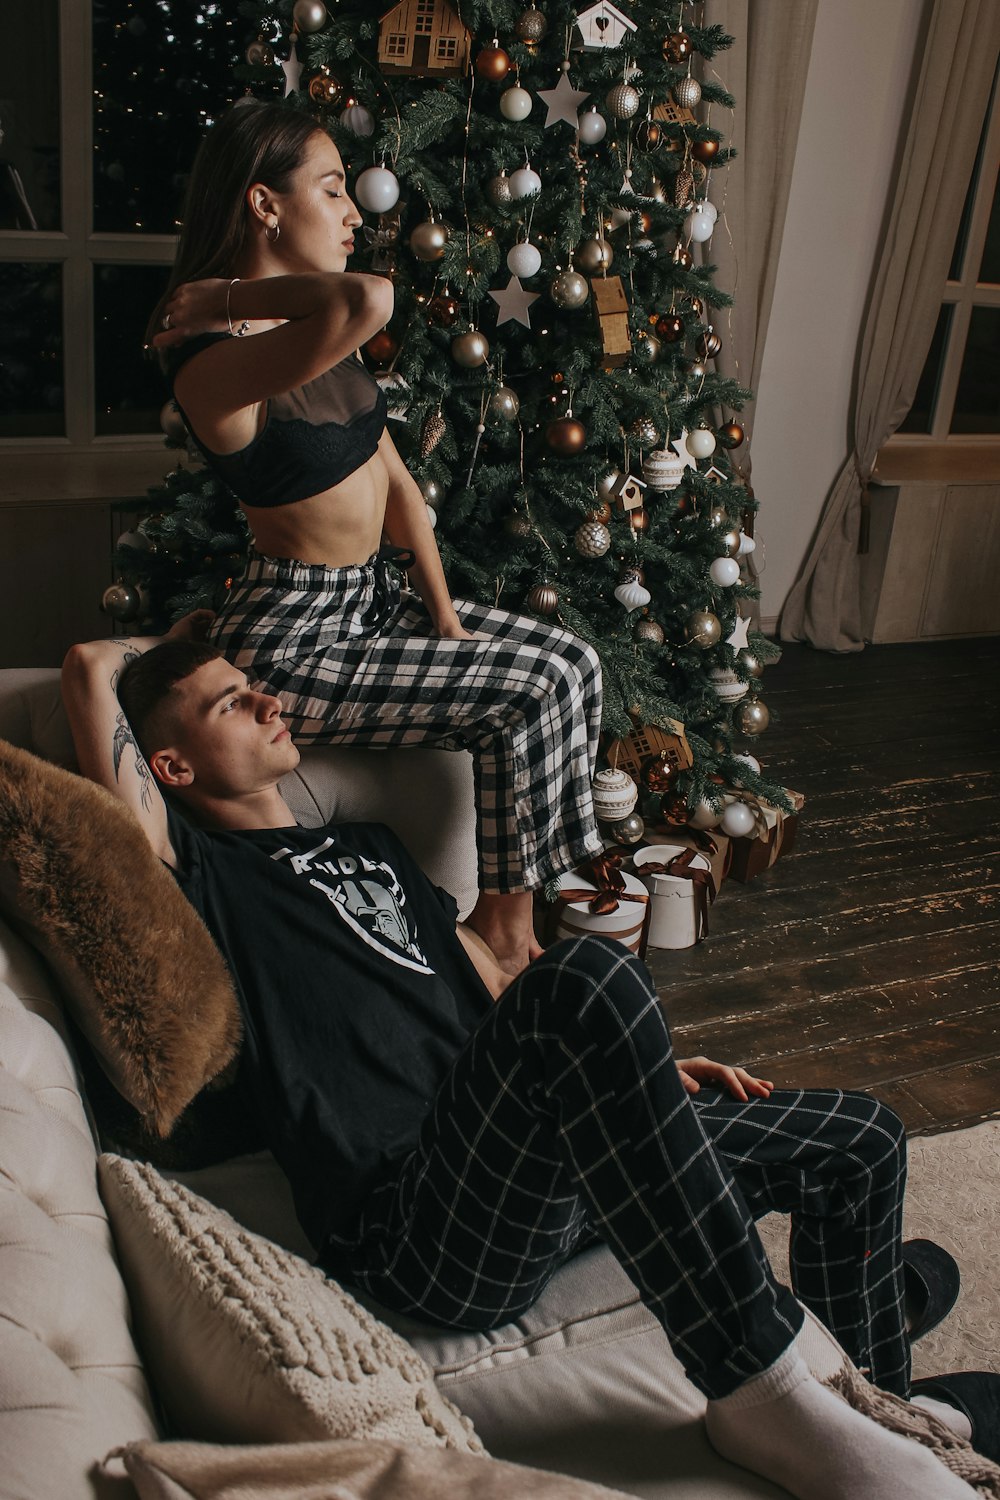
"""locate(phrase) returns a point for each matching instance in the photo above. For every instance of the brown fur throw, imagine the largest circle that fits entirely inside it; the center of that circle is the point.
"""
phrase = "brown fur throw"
(142, 977)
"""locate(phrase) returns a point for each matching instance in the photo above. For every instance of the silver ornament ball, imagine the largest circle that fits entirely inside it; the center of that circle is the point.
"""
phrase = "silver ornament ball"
(569, 290)
(429, 239)
(431, 491)
(594, 255)
(647, 349)
(591, 126)
(504, 404)
(628, 830)
(687, 93)
(623, 101)
(523, 259)
(309, 15)
(171, 421)
(121, 601)
(752, 717)
(358, 120)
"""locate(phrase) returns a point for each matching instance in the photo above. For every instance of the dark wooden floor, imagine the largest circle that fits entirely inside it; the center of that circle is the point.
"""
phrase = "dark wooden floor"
(869, 957)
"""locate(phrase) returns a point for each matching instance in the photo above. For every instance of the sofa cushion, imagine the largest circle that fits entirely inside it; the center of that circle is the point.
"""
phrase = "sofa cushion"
(71, 1380)
(246, 1342)
(144, 981)
(352, 1470)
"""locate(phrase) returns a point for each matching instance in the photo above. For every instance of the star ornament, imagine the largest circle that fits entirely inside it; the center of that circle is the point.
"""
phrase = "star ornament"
(513, 303)
(563, 102)
(680, 447)
(737, 637)
(292, 69)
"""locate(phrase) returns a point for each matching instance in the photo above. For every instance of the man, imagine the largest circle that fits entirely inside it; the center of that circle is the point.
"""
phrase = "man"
(452, 1136)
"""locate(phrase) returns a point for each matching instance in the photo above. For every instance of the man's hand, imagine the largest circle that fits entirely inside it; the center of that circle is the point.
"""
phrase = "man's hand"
(192, 626)
(695, 1071)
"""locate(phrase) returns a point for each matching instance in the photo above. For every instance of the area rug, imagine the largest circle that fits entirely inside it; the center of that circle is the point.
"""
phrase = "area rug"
(953, 1198)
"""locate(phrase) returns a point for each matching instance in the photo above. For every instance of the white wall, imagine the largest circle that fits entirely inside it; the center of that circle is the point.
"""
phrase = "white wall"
(859, 76)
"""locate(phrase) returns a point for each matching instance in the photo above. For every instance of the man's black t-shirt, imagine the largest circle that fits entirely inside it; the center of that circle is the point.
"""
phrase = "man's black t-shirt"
(356, 996)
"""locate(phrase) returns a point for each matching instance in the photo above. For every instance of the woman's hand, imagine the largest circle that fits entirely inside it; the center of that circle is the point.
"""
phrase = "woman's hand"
(194, 307)
(695, 1071)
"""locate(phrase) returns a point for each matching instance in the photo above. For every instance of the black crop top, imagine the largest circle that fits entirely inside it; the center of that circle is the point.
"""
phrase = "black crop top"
(313, 436)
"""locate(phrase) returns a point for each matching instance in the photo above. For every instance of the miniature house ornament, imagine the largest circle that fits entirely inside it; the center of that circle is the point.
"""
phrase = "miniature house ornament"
(425, 39)
(603, 25)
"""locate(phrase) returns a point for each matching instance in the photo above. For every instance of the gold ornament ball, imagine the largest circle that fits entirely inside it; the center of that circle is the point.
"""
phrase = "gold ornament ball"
(628, 830)
(731, 541)
(676, 47)
(718, 516)
(569, 290)
(606, 484)
(705, 151)
(531, 26)
(428, 240)
(594, 255)
(592, 539)
(565, 436)
(171, 421)
(650, 631)
(687, 92)
(309, 15)
(518, 525)
(752, 717)
(645, 432)
(493, 63)
(259, 54)
(470, 350)
(703, 629)
(623, 101)
(504, 404)
(121, 601)
(697, 370)
(647, 349)
(750, 663)
(543, 599)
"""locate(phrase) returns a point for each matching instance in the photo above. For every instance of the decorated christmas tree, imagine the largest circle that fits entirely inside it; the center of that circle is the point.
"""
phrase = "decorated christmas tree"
(538, 184)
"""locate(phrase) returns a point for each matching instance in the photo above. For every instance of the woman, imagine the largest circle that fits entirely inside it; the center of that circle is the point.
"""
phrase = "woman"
(259, 330)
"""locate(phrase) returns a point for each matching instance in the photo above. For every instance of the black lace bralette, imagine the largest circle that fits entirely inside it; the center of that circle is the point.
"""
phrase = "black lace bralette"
(313, 436)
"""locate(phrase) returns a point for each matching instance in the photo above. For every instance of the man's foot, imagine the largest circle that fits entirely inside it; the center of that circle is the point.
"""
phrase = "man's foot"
(504, 924)
(931, 1279)
(787, 1427)
(974, 1393)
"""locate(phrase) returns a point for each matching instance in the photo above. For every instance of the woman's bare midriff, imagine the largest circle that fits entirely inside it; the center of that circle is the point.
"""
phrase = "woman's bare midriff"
(339, 528)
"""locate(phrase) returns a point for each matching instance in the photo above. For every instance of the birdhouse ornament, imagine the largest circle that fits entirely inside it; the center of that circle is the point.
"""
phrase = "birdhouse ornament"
(603, 25)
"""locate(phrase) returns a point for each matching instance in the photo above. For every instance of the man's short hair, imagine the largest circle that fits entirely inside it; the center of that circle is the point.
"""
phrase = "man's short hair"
(145, 685)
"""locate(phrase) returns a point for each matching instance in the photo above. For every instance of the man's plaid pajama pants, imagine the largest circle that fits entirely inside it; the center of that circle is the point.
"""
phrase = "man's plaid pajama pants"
(564, 1118)
(355, 662)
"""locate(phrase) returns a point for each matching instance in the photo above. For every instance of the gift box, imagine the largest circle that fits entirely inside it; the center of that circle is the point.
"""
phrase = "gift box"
(601, 898)
(680, 885)
(775, 836)
(712, 843)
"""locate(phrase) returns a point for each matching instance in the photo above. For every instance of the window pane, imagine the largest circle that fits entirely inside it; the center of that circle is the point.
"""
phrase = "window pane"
(128, 387)
(31, 350)
(29, 117)
(920, 417)
(977, 404)
(163, 71)
(958, 254)
(989, 270)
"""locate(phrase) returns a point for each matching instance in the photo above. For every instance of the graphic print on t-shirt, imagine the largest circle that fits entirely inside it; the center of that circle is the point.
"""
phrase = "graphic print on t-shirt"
(366, 895)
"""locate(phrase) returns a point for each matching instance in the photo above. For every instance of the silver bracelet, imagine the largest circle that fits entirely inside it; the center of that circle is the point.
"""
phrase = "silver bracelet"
(236, 333)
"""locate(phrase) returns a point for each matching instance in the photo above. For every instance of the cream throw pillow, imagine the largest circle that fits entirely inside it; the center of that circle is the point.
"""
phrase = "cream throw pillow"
(338, 1471)
(245, 1342)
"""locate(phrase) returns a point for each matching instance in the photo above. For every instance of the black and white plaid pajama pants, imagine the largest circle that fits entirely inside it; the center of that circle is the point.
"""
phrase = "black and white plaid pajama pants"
(564, 1118)
(357, 662)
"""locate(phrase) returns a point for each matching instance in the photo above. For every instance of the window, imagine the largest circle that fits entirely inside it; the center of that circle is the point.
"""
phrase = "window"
(958, 395)
(446, 49)
(424, 23)
(102, 105)
(396, 44)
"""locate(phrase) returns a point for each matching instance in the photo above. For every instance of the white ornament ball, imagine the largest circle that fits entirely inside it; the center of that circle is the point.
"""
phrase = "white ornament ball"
(727, 686)
(749, 760)
(358, 120)
(662, 469)
(698, 227)
(701, 442)
(615, 794)
(525, 183)
(377, 189)
(515, 104)
(705, 815)
(747, 544)
(524, 259)
(606, 485)
(632, 596)
(432, 515)
(725, 571)
(738, 820)
(591, 127)
(703, 206)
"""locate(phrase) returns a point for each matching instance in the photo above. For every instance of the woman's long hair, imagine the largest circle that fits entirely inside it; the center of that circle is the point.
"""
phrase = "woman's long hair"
(250, 143)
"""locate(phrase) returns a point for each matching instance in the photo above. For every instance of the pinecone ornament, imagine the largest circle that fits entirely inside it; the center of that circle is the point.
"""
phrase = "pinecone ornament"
(433, 431)
(683, 187)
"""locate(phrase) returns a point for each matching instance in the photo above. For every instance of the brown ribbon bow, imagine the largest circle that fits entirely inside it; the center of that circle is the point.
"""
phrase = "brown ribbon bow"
(702, 881)
(604, 871)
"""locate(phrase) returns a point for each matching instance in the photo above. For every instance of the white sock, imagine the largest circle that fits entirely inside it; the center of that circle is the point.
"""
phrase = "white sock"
(787, 1427)
(950, 1415)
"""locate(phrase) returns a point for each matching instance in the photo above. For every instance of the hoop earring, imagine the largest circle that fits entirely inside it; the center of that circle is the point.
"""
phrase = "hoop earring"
(277, 230)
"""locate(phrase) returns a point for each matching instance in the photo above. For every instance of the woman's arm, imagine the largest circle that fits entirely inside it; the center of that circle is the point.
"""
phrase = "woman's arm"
(407, 525)
(327, 315)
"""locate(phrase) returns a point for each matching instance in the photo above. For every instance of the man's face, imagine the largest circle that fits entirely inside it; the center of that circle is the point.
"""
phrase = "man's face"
(230, 737)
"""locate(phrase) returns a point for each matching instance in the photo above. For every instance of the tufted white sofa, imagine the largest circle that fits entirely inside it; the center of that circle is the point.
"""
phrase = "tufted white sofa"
(584, 1384)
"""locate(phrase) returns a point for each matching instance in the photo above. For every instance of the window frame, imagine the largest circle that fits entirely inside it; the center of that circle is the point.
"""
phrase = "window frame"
(78, 249)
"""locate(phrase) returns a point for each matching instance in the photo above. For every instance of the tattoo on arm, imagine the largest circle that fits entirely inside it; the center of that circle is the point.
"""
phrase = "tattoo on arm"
(124, 738)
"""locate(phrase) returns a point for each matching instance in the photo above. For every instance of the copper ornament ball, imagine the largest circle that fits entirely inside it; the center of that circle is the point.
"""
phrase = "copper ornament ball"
(631, 573)
(493, 63)
(638, 518)
(381, 347)
(601, 512)
(565, 436)
(669, 327)
(442, 310)
(470, 349)
(683, 257)
(657, 774)
(543, 599)
(259, 54)
(531, 26)
(649, 135)
(504, 404)
(674, 809)
(676, 47)
(705, 151)
(325, 89)
(730, 434)
(309, 15)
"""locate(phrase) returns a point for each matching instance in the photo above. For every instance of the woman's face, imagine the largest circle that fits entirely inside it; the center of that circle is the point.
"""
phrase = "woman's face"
(316, 218)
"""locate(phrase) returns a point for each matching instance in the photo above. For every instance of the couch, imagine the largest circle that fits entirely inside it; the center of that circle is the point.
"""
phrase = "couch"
(584, 1385)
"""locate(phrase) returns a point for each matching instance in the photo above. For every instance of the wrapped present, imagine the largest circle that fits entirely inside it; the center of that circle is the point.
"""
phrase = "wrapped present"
(601, 897)
(712, 843)
(680, 885)
(775, 836)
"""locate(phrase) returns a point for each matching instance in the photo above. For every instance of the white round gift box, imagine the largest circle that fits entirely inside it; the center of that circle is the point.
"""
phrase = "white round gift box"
(673, 913)
(577, 920)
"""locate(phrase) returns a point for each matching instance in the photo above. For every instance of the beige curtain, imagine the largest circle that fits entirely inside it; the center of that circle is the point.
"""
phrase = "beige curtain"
(956, 73)
(765, 70)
